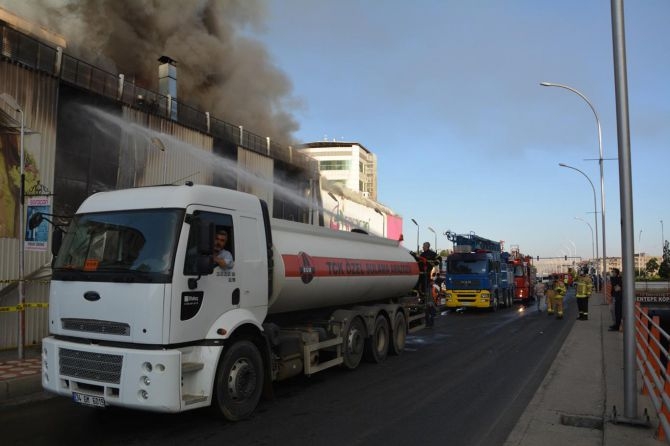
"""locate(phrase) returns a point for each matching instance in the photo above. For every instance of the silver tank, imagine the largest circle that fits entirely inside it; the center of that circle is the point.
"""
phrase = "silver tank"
(319, 267)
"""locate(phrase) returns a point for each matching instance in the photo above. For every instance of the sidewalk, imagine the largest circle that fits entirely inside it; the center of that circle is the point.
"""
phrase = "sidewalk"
(574, 404)
(20, 378)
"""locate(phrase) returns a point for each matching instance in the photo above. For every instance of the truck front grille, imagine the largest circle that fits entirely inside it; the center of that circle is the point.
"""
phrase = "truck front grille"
(96, 326)
(99, 367)
(471, 284)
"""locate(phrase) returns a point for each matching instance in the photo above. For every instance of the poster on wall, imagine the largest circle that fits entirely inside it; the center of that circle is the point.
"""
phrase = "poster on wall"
(37, 239)
(10, 176)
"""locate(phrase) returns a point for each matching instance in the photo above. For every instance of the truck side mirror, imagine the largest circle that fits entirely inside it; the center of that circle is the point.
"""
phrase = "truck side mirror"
(56, 240)
(204, 233)
(205, 237)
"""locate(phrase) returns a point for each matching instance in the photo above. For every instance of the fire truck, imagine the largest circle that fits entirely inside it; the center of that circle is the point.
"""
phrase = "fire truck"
(524, 275)
(477, 275)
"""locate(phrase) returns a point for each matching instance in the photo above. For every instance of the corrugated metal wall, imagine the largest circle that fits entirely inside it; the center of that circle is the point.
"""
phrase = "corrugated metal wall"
(256, 175)
(37, 94)
(173, 153)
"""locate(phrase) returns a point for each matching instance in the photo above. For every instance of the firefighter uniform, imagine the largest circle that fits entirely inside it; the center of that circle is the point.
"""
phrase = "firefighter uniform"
(557, 298)
(582, 293)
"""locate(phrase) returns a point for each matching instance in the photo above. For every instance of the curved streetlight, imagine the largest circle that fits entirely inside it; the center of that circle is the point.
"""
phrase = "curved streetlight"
(639, 254)
(417, 236)
(591, 228)
(600, 160)
(595, 216)
(158, 143)
(434, 233)
(337, 212)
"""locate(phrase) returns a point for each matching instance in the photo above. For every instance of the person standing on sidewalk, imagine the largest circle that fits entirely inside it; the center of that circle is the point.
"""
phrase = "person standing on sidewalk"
(617, 295)
(582, 293)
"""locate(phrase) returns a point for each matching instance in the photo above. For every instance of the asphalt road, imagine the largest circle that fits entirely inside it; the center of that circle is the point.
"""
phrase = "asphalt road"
(464, 382)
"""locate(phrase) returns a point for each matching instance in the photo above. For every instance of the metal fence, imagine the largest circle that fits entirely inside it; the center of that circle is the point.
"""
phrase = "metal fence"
(32, 53)
(652, 361)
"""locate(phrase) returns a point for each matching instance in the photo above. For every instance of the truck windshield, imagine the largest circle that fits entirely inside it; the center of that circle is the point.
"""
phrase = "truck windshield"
(131, 246)
(519, 271)
(469, 266)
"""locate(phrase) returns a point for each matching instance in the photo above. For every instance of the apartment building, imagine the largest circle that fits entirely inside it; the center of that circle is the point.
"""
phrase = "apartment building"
(347, 164)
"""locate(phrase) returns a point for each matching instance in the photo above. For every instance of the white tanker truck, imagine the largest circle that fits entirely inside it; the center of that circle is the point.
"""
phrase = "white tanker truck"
(140, 318)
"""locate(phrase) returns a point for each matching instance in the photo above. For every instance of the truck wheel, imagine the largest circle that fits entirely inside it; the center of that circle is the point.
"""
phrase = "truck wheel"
(239, 381)
(399, 334)
(377, 345)
(354, 344)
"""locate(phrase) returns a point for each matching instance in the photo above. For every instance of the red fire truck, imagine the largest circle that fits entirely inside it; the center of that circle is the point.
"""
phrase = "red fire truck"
(524, 275)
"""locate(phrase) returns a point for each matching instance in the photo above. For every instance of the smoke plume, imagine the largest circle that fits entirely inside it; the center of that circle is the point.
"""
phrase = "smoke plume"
(220, 68)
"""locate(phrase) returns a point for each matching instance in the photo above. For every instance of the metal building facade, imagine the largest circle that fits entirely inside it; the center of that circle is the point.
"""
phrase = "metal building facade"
(66, 103)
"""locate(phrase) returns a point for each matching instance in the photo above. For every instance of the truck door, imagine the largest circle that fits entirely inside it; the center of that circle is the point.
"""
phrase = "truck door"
(197, 301)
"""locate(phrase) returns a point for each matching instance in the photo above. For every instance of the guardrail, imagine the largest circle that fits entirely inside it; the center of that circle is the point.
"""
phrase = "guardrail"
(652, 361)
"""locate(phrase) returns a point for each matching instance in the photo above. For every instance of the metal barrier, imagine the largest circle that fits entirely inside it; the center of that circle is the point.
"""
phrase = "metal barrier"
(652, 361)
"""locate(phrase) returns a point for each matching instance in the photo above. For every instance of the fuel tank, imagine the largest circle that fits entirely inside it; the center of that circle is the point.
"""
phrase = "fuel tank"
(317, 267)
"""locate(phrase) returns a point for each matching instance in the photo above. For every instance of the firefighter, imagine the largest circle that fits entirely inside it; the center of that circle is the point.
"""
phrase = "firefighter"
(582, 292)
(557, 299)
(550, 293)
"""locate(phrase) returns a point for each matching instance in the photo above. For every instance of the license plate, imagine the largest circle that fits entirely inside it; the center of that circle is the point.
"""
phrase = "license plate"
(465, 304)
(88, 400)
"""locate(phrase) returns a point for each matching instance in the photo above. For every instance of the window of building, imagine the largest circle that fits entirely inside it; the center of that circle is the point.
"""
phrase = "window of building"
(334, 165)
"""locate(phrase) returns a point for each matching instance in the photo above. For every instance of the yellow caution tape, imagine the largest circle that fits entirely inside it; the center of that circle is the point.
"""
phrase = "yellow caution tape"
(8, 309)
(24, 306)
(5, 281)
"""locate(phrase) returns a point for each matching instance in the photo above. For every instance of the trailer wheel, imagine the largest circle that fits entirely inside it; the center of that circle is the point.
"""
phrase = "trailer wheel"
(377, 345)
(399, 335)
(354, 343)
(494, 304)
(239, 381)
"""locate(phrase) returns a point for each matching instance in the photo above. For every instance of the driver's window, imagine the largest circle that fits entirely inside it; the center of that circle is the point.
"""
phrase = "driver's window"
(223, 224)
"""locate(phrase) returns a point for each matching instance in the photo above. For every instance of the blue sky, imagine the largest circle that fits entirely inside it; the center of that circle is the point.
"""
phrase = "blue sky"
(447, 94)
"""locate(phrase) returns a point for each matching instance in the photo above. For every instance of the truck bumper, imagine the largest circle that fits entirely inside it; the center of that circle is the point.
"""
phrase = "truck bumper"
(467, 298)
(107, 376)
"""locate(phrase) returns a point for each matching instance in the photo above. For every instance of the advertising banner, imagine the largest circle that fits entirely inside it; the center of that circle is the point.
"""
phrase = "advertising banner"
(37, 239)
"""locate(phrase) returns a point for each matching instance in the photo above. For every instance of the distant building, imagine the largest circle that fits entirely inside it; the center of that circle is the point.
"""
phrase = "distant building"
(347, 164)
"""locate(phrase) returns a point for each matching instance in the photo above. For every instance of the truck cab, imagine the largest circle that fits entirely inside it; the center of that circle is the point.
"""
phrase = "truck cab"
(473, 280)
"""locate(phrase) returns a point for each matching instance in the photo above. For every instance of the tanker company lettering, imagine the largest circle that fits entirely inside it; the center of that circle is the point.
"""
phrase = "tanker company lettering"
(307, 267)
(350, 268)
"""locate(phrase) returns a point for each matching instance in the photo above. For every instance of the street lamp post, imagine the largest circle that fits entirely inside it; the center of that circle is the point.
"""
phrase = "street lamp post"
(662, 238)
(417, 235)
(160, 146)
(434, 233)
(600, 160)
(591, 228)
(337, 212)
(639, 254)
(22, 194)
(595, 217)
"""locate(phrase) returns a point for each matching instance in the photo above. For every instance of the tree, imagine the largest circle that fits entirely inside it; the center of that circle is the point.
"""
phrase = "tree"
(664, 269)
(651, 267)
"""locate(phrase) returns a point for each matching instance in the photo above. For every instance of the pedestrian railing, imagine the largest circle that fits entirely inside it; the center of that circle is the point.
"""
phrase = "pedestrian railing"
(652, 361)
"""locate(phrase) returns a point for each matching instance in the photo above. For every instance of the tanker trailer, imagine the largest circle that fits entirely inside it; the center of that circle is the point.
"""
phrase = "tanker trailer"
(141, 317)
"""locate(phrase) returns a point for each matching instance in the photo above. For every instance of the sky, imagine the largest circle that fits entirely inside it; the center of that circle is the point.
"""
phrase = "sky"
(447, 94)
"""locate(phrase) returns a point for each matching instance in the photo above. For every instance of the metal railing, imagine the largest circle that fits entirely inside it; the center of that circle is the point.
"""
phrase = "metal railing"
(34, 54)
(652, 361)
